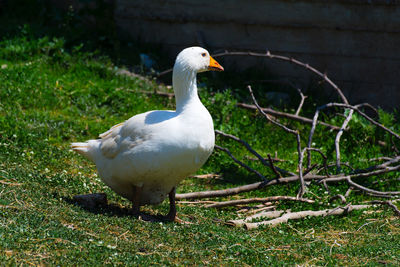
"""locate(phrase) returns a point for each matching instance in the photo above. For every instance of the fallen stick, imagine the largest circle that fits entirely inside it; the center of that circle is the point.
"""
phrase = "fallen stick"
(206, 176)
(196, 202)
(243, 188)
(264, 214)
(289, 179)
(302, 214)
(222, 192)
(256, 200)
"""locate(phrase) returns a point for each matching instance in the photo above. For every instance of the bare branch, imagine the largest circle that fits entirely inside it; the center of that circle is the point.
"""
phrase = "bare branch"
(251, 150)
(338, 196)
(257, 200)
(278, 175)
(389, 161)
(348, 192)
(325, 165)
(310, 136)
(227, 151)
(356, 109)
(243, 188)
(289, 179)
(222, 192)
(207, 176)
(337, 140)
(303, 97)
(294, 132)
(268, 54)
(312, 167)
(286, 115)
(371, 191)
(265, 214)
(380, 158)
(274, 159)
(302, 214)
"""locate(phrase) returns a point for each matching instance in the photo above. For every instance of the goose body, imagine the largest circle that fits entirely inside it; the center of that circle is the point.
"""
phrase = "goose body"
(144, 158)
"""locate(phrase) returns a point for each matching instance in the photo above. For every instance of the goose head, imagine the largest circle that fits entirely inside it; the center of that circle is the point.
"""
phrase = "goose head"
(188, 63)
(196, 59)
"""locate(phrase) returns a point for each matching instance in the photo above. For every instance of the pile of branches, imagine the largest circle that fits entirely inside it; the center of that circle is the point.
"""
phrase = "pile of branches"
(306, 170)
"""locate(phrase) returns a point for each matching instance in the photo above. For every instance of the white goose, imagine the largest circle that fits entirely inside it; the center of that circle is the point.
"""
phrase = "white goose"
(144, 158)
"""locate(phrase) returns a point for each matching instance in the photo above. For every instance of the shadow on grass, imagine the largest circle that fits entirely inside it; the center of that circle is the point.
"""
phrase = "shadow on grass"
(97, 204)
(235, 176)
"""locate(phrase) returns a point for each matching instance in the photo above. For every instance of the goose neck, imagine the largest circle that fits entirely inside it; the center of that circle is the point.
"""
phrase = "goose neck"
(185, 87)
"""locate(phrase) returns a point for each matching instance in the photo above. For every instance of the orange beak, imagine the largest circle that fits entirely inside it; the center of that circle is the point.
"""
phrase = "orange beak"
(214, 65)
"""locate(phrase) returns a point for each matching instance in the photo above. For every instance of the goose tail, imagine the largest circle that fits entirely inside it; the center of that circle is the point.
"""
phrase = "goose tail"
(85, 148)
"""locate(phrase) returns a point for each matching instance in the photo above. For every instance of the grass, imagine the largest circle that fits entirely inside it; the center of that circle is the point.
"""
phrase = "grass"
(51, 96)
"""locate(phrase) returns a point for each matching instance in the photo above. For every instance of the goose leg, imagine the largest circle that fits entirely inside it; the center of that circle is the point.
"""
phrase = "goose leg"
(172, 208)
(171, 216)
(136, 201)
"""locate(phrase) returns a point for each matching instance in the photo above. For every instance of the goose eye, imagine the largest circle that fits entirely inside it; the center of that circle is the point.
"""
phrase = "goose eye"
(203, 54)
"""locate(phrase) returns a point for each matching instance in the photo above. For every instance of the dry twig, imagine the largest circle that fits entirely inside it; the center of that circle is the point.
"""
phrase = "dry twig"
(257, 200)
(251, 150)
(303, 97)
(227, 151)
(207, 176)
(274, 169)
(302, 214)
(265, 215)
(290, 116)
(337, 139)
(356, 109)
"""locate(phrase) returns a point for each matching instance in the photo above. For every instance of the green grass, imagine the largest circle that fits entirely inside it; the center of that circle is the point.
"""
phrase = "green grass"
(51, 96)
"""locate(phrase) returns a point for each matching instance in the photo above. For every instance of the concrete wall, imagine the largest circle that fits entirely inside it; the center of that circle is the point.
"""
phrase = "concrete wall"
(356, 42)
